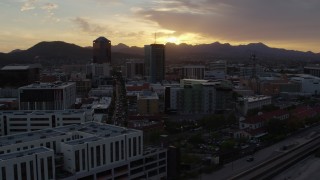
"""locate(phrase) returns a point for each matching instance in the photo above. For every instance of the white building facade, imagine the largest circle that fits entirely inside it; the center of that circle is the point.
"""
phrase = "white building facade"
(253, 102)
(13, 122)
(89, 151)
(309, 84)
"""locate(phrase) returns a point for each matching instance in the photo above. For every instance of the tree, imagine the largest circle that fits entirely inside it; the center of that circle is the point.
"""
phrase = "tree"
(227, 145)
(276, 126)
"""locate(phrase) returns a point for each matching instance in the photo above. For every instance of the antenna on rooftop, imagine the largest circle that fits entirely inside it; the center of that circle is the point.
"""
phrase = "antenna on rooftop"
(155, 37)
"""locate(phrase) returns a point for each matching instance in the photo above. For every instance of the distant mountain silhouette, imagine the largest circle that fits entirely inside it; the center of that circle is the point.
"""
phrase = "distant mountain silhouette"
(58, 52)
(237, 53)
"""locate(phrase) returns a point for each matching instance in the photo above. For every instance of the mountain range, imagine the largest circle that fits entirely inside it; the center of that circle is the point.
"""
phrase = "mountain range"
(57, 53)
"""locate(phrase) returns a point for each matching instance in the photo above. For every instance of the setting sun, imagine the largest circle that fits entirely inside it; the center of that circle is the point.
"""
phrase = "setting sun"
(173, 40)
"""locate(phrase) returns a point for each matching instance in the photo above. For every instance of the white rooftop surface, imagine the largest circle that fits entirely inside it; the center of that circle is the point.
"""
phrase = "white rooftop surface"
(93, 129)
(313, 66)
(47, 85)
(193, 66)
(18, 154)
(305, 76)
(19, 67)
(103, 103)
(148, 95)
(256, 98)
(39, 112)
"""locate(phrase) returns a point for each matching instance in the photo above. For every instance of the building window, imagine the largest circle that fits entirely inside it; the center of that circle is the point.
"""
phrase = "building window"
(122, 149)
(23, 167)
(139, 145)
(134, 146)
(104, 154)
(83, 159)
(54, 145)
(92, 158)
(129, 147)
(42, 168)
(111, 152)
(98, 155)
(50, 167)
(3, 172)
(15, 172)
(117, 150)
(31, 170)
(77, 159)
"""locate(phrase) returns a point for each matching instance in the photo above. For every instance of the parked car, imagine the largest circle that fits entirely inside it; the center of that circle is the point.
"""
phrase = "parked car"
(250, 158)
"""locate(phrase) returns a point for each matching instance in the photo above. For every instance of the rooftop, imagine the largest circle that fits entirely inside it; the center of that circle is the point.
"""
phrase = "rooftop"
(20, 67)
(56, 85)
(148, 95)
(38, 112)
(92, 129)
(18, 154)
(102, 39)
(256, 98)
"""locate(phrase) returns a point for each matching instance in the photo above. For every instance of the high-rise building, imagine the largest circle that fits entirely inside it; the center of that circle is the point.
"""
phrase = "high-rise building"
(155, 62)
(134, 68)
(102, 50)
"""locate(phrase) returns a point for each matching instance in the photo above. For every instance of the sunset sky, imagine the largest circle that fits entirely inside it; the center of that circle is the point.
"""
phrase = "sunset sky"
(290, 24)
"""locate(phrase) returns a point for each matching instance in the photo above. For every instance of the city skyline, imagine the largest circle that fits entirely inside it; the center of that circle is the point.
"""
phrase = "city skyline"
(291, 24)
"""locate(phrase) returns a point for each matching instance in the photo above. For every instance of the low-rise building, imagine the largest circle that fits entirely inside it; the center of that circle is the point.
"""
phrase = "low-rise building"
(309, 84)
(199, 96)
(253, 102)
(87, 151)
(255, 126)
(13, 122)
(47, 96)
(148, 103)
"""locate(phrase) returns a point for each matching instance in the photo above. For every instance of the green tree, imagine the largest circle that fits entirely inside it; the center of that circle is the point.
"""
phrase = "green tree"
(276, 126)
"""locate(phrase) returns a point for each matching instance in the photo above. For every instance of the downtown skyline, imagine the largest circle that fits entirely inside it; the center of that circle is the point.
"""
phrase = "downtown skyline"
(291, 24)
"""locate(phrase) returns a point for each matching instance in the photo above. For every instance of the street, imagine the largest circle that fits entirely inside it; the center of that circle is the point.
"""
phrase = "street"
(240, 165)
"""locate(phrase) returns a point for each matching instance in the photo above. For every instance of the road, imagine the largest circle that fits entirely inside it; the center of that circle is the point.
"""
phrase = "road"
(240, 165)
(308, 168)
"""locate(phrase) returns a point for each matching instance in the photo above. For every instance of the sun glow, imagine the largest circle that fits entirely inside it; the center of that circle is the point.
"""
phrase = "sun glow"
(173, 40)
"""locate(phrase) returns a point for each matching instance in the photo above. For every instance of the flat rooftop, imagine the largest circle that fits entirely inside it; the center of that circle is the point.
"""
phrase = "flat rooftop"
(148, 95)
(92, 129)
(83, 140)
(56, 85)
(18, 154)
(45, 112)
(20, 67)
(256, 98)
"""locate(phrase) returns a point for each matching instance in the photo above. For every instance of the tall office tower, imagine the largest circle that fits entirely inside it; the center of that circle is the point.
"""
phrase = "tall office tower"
(102, 50)
(134, 68)
(155, 62)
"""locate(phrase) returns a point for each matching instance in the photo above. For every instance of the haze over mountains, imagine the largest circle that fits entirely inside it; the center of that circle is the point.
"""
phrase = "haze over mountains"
(58, 52)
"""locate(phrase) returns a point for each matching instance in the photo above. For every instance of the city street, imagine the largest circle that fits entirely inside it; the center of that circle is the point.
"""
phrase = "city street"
(240, 165)
(309, 169)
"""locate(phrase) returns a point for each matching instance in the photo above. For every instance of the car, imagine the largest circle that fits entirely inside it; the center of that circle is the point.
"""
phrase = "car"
(249, 159)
